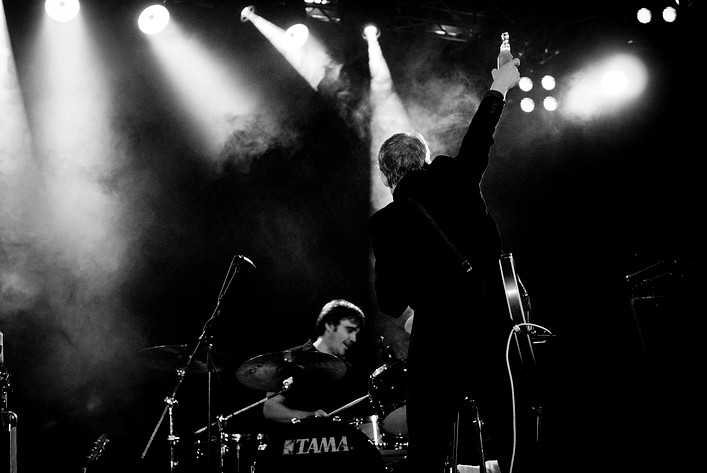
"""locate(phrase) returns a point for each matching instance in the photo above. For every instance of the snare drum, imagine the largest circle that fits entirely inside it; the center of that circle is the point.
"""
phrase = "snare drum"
(320, 445)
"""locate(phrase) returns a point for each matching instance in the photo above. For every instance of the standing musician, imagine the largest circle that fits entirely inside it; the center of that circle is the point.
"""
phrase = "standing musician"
(338, 325)
(458, 340)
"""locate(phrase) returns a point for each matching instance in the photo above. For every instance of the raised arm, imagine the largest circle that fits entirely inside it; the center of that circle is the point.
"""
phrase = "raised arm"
(478, 139)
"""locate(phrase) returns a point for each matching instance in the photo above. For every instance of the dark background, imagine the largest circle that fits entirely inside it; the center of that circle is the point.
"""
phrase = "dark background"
(603, 219)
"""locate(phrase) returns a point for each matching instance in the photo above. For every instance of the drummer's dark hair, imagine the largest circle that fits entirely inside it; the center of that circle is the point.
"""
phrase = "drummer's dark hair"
(335, 311)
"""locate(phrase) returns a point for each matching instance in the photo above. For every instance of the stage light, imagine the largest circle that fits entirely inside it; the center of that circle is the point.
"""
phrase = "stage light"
(371, 31)
(644, 15)
(62, 10)
(550, 103)
(247, 13)
(295, 37)
(670, 14)
(153, 19)
(548, 82)
(527, 104)
(525, 84)
(604, 87)
(613, 82)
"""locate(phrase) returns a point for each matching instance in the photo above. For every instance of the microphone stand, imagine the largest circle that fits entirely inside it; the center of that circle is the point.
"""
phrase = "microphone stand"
(171, 401)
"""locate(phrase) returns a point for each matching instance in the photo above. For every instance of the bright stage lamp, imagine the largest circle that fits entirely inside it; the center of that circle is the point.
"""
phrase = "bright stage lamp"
(670, 14)
(550, 103)
(62, 10)
(153, 19)
(548, 82)
(525, 84)
(527, 104)
(371, 31)
(296, 36)
(247, 12)
(644, 16)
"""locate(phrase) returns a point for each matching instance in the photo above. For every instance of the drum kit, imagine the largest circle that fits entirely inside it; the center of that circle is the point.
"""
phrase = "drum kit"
(311, 445)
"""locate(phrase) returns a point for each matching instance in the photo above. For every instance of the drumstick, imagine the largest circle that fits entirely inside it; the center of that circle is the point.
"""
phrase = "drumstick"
(354, 402)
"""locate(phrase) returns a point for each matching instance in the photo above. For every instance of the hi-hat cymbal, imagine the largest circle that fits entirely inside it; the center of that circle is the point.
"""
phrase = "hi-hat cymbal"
(267, 372)
(175, 357)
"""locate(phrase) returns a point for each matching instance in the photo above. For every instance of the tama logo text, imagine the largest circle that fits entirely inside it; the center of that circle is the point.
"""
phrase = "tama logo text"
(309, 445)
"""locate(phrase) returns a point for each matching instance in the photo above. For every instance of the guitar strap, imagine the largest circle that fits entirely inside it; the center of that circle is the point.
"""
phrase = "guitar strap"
(465, 264)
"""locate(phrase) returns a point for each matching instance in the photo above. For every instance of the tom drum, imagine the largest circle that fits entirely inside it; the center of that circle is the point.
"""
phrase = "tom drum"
(387, 389)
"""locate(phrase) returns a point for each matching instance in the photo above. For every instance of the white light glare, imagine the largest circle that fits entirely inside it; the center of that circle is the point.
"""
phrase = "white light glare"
(550, 103)
(670, 14)
(548, 82)
(527, 104)
(153, 19)
(371, 31)
(525, 84)
(644, 15)
(605, 87)
(62, 10)
(295, 37)
(614, 82)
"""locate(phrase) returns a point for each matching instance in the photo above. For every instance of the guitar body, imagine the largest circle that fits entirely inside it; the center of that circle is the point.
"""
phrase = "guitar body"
(518, 310)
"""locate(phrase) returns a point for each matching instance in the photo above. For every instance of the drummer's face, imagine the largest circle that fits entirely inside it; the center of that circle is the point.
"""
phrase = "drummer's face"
(342, 336)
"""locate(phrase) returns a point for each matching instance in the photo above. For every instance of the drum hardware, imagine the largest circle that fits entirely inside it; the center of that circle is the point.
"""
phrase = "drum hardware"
(478, 424)
(286, 384)
(221, 421)
(369, 425)
(238, 451)
(175, 356)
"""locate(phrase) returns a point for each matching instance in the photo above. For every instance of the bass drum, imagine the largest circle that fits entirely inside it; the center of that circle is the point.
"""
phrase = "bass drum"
(320, 445)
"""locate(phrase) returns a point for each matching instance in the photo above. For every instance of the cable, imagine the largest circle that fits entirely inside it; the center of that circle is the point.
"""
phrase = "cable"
(515, 329)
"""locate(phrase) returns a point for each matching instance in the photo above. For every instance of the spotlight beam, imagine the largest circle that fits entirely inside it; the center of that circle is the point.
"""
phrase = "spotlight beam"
(306, 55)
(388, 114)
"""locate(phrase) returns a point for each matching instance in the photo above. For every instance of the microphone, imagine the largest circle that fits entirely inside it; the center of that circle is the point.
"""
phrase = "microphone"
(244, 258)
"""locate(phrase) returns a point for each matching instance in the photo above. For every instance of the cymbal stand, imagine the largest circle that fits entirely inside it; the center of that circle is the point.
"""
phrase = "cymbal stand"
(454, 456)
(8, 422)
(170, 401)
(286, 384)
(478, 423)
(171, 438)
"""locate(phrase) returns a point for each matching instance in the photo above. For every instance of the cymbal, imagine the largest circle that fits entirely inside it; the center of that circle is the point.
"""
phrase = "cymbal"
(267, 372)
(175, 357)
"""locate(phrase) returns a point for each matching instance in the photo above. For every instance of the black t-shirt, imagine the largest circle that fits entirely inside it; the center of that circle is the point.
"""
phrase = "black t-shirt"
(310, 392)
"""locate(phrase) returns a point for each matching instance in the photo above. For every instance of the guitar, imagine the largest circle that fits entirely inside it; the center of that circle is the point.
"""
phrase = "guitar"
(519, 311)
(96, 451)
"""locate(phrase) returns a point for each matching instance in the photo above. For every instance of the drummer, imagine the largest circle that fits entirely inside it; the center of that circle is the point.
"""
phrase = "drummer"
(310, 394)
